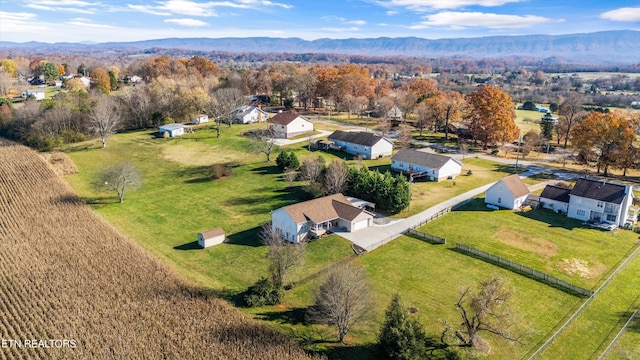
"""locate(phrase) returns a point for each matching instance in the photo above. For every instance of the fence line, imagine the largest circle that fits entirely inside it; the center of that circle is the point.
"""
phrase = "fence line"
(427, 237)
(620, 333)
(382, 242)
(526, 270)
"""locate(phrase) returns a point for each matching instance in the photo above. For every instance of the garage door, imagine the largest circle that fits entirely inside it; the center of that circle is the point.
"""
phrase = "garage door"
(360, 224)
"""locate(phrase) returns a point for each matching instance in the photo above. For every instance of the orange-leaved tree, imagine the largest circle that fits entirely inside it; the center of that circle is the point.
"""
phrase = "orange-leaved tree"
(492, 117)
(609, 137)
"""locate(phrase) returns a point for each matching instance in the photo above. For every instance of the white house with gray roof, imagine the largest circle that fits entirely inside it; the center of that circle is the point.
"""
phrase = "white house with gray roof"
(421, 163)
(366, 144)
(313, 218)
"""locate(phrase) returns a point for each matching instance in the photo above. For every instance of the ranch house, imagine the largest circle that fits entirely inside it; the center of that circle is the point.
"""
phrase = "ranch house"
(200, 119)
(418, 163)
(366, 144)
(248, 114)
(287, 125)
(312, 219)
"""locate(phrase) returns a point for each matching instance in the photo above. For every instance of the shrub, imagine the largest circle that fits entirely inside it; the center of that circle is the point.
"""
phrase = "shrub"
(262, 293)
(469, 173)
(218, 171)
(288, 160)
(314, 191)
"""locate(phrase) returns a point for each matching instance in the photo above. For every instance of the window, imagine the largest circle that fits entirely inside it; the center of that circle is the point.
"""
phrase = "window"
(580, 212)
(600, 204)
(611, 217)
(499, 200)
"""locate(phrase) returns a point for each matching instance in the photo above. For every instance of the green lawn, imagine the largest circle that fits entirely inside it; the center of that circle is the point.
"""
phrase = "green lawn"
(540, 239)
(417, 270)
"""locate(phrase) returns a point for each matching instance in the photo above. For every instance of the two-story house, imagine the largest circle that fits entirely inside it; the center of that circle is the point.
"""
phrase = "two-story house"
(597, 200)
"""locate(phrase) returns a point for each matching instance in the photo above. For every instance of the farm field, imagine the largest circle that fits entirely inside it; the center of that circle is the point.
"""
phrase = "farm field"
(65, 274)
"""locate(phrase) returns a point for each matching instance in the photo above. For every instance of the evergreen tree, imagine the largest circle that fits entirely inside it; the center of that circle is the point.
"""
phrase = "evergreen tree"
(401, 337)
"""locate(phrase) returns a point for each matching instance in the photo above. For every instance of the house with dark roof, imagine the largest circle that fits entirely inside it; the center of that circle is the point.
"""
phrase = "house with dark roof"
(421, 163)
(555, 198)
(287, 125)
(593, 200)
(312, 219)
(509, 192)
(601, 201)
(366, 144)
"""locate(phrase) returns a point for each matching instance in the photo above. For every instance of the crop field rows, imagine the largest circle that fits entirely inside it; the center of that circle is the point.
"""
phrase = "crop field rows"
(65, 274)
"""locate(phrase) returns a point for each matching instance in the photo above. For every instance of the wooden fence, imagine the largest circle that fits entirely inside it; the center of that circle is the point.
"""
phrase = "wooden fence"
(427, 237)
(526, 270)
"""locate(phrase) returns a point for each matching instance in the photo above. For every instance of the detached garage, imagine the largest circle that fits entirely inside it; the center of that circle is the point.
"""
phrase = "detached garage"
(211, 237)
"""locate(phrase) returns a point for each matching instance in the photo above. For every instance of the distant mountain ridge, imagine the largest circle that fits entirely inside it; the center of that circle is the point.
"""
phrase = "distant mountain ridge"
(607, 47)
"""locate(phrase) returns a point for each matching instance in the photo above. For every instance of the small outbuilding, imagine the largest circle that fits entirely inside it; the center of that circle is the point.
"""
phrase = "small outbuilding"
(200, 119)
(211, 237)
(172, 130)
(509, 192)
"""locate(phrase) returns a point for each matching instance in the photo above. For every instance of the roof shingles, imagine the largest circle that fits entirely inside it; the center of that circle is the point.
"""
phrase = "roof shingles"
(430, 160)
(356, 137)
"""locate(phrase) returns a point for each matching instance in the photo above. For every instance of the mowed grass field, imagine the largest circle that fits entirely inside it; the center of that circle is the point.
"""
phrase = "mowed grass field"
(178, 199)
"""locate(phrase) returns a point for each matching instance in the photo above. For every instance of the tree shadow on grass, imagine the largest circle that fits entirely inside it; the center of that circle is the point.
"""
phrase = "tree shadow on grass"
(267, 170)
(189, 246)
(382, 169)
(293, 316)
(353, 352)
(101, 200)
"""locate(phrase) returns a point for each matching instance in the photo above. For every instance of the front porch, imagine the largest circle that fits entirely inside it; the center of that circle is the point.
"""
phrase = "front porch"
(320, 229)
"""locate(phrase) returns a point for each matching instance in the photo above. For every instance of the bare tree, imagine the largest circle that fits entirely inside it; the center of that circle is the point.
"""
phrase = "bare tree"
(282, 254)
(137, 107)
(405, 135)
(312, 168)
(264, 141)
(335, 178)
(223, 102)
(423, 117)
(406, 101)
(343, 299)
(104, 118)
(120, 178)
(290, 175)
(570, 110)
(486, 310)
(5, 83)
(351, 104)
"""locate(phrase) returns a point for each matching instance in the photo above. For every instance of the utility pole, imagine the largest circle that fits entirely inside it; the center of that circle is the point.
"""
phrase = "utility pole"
(366, 124)
(518, 152)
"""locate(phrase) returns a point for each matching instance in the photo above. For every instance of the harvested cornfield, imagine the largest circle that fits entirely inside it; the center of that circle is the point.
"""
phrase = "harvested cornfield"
(71, 286)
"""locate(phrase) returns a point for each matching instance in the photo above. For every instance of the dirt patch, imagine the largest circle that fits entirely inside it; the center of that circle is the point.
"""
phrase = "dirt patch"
(204, 155)
(60, 162)
(583, 268)
(540, 246)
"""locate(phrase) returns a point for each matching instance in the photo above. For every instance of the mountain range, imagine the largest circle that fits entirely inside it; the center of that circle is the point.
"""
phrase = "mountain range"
(607, 47)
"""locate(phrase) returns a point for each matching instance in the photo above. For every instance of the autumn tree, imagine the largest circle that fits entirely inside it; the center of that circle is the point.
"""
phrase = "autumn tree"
(485, 310)
(9, 67)
(121, 178)
(570, 110)
(104, 118)
(336, 176)
(282, 254)
(422, 88)
(343, 299)
(423, 117)
(406, 102)
(222, 102)
(491, 115)
(607, 135)
(100, 80)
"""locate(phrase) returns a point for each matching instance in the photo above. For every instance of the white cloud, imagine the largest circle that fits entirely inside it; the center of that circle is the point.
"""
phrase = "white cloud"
(355, 22)
(623, 14)
(148, 10)
(87, 23)
(344, 20)
(187, 22)
(460, 20)
(337, 29)
(69, 6)
(391, 13)
(205, 9)
(20, 22)
(425, 5)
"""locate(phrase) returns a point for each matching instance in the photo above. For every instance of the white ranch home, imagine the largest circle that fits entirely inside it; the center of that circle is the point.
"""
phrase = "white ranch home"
(287, 125)
(509, 192)
(200, 119)
(420, 163)
(248, 114)
(369, 145)
(594, 200)
(313, 218)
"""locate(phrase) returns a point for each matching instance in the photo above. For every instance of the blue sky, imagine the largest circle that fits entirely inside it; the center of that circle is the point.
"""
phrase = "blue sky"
(131, 20)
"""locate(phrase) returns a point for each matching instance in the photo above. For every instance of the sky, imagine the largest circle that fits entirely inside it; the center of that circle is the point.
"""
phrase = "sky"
(132, 20)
